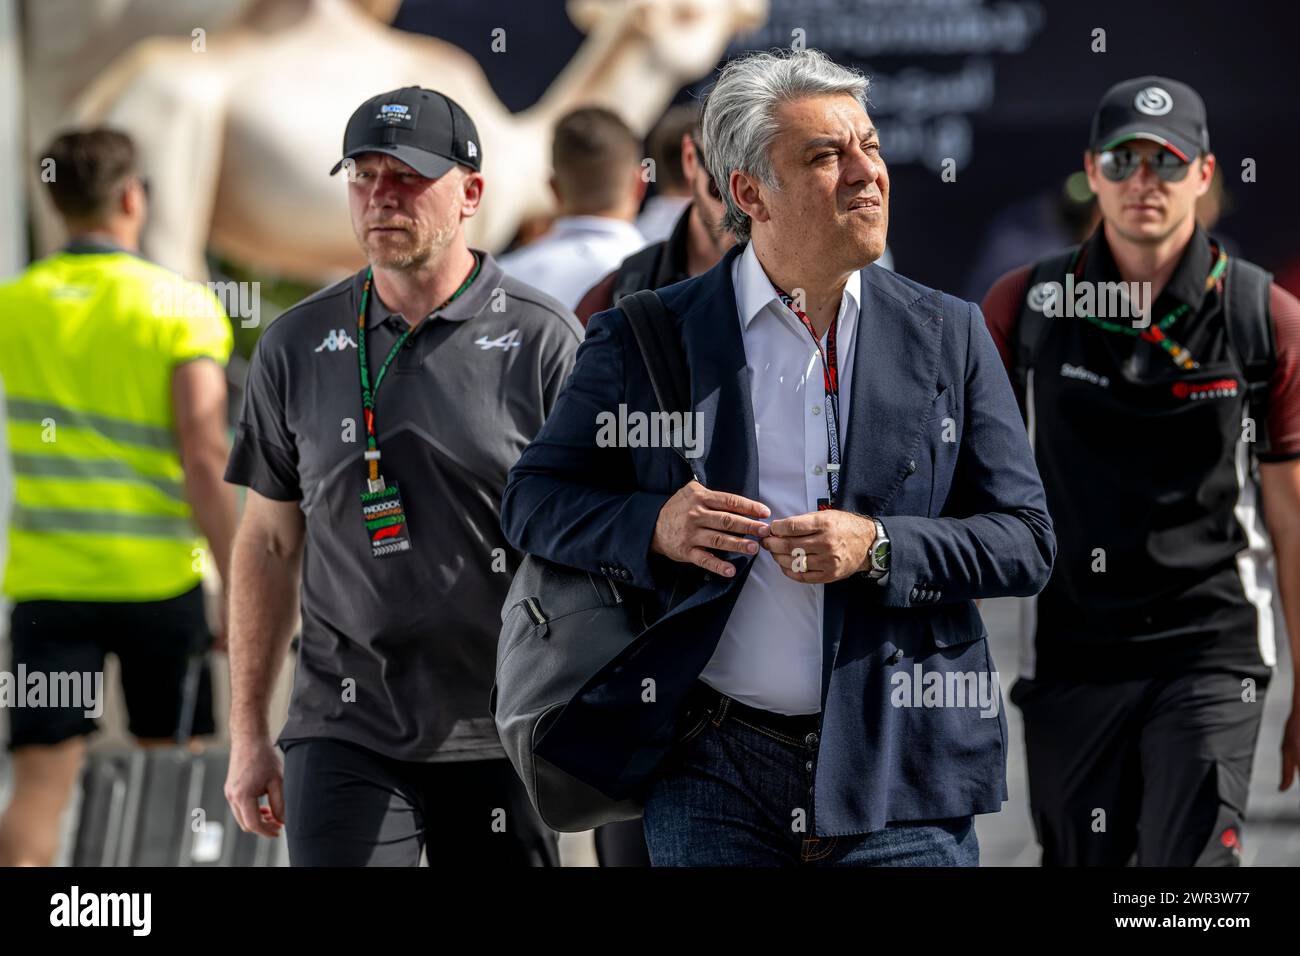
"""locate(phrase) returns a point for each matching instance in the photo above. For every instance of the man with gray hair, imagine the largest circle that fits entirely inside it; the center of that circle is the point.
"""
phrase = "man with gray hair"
(815, 686)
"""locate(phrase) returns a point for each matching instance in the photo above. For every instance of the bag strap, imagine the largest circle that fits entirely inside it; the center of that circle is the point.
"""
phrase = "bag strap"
(1250, 332)
(1032, 323)
(664, 358)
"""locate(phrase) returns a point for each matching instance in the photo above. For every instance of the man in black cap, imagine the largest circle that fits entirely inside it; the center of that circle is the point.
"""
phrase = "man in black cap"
(381, 417)
(1159, 382)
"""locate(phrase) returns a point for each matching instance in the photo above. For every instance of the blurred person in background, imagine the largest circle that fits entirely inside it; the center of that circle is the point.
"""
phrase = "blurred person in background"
(115, 391)
(672, 193)
(696, 243)
(599, 184)
(1156, 435)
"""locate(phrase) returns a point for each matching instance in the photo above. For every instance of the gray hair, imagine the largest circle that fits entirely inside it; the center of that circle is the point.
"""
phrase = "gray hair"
(739, 122)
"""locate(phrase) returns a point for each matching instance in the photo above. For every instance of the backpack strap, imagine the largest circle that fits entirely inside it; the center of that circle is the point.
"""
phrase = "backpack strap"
(1032, 322)
(664, 357)
(1250, 333)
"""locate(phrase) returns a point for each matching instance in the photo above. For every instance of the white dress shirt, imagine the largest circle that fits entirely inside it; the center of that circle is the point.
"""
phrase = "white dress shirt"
(576, 254)
(770, 653)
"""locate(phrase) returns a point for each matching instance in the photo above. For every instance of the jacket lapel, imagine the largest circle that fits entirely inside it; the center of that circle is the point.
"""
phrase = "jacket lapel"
(720, 394)
(895, 367)
(720, 385)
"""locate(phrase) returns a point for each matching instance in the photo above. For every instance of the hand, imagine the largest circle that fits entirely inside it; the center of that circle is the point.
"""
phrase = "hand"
(1291, 747)
(696, 518)
(256, 769)
(835, 543)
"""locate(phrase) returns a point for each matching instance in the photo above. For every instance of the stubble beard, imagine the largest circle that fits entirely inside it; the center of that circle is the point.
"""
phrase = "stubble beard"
(421, 253)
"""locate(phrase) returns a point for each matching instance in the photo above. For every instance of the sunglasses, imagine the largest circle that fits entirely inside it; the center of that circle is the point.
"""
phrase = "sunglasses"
(1118, 165)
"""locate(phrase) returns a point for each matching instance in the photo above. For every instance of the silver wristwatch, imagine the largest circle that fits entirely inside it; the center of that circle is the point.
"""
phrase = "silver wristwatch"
(879, 553)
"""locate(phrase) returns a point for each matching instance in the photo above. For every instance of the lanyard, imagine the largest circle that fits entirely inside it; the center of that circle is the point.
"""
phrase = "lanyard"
(1156, 331)
(375, 481)
(831, 382)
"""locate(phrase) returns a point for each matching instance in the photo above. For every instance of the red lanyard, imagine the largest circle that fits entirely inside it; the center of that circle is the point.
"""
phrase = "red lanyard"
(831, 381)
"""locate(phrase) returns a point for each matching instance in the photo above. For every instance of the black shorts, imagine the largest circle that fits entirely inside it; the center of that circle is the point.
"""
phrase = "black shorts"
(153, 641)
(1158, 767)
(346, 805)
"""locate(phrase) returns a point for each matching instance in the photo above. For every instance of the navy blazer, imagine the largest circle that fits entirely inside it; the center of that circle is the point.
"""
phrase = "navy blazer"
(936, 449)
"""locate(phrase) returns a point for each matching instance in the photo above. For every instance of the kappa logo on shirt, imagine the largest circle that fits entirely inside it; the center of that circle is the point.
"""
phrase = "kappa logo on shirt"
(337, 340)
(510, 340)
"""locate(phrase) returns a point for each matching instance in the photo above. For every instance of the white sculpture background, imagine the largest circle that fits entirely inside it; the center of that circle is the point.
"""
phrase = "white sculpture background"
(238, 139)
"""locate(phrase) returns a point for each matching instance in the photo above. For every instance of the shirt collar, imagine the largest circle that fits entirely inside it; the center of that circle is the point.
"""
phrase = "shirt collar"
(94, 245)
(1186, 284)
(754, 290)
(467, 305)
(602, 226)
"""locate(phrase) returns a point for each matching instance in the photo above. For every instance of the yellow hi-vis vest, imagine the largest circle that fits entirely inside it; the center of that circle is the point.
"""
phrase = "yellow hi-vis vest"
(88, 343)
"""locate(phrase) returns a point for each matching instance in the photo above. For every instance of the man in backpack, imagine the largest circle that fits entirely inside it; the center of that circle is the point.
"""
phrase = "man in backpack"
(1151, 369)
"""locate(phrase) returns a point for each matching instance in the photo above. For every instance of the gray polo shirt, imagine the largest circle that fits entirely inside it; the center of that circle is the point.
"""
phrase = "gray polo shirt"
(398, 652)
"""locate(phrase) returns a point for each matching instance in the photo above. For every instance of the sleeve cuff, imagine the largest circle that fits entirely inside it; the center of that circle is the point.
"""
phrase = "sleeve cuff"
(1271, 458)
(641, 516)
(263, 467)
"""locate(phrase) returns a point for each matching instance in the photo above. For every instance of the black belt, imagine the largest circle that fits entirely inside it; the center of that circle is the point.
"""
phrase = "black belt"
(800, 728)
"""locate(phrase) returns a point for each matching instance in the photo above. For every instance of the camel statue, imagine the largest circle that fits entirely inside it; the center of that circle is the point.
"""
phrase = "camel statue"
(238, 132)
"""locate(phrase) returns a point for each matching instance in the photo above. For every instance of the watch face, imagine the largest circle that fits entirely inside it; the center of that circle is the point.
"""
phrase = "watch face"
(880, 555)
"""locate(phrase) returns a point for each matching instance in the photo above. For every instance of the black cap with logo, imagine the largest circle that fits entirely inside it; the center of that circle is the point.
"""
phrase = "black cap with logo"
(423, 128)
(1155, 108)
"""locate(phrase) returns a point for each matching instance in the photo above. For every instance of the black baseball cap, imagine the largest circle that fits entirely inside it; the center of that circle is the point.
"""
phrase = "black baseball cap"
(1155, 108)
(423, 128)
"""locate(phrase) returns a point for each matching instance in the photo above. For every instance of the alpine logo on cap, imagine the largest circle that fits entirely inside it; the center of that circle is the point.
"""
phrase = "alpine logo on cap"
(395, 114)
(1154, 101)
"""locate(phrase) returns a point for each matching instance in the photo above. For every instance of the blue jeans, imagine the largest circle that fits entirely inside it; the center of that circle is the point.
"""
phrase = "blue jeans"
(734, 793)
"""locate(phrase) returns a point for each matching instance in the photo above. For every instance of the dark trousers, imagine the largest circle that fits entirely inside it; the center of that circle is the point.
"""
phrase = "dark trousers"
(738, 792)
(1158, 767)
(346, 805)
(622, 844)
